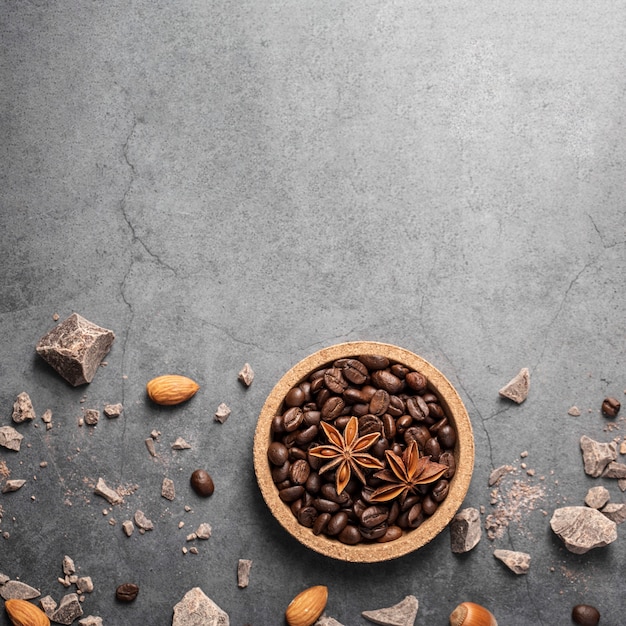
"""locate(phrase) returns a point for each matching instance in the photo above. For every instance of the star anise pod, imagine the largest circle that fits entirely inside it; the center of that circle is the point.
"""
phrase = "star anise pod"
(407, 472)
(346, 452)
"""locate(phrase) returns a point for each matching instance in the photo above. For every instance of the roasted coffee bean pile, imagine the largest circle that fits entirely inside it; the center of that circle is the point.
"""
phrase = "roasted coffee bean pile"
(387, 398)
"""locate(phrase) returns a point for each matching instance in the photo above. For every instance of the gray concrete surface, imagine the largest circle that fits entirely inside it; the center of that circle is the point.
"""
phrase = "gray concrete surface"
(230, 182)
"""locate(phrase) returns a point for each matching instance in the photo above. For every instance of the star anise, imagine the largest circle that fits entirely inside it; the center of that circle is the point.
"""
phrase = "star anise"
(346, 452)
(406, 474)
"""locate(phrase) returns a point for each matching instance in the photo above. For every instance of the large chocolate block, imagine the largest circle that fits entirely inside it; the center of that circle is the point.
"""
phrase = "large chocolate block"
(75, 348)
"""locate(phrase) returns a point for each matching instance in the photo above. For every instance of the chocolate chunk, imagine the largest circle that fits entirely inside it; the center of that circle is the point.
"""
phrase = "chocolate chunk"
(597, 497)
(327, 621)
(246, 375)
(68, 610)
(596, 455)
(401, 614)
(243, 573)
(615, 512)
(90, 620)
(498, 473)
(13, 485)
(23, 408)
(112, 411)
(48, 605)
(582, 528)
(204, 531)
(197, 609)
(517, 562)
(18, 590)
(128, 527)
(518, 387)
(142, 522)
(614, 470)
(222, 413)
(110, 495)
(180, 444)
(75, 348)
(167, 489)
(465, 530)
(91, 417)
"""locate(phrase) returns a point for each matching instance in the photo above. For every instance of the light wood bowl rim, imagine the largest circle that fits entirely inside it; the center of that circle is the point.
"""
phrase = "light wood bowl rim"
(410, 541)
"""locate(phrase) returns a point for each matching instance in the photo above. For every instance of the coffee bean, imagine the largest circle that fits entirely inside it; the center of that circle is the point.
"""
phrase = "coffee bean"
(384, 379)
(417, 408)
(277, 453)
(396, 406)
(374, 362)
(281, 473)
(391, 534)
(299, 472)
(416, 381)
(291, 494)
(432, 449)
(295, 397)
(292, 418)
(127, 592)
(360, 409)
(313, 483)
(440, 490)
(447, 458)
(325, 506)
(355, 371)
(337, 523)
(369, 424)
(295, 453)
(379, 402)
(311, 417)
(373, 516)
(611, 407)
(307, 516)
(389, 426)
(321, 522)
(354, 396)
(429, 506)
(333, 408)
(447, 436)
(307, 435)
(368, 391)
(329, 491)
(334, 380)
(202, 483)
(434, 410)
(321, 397)
(399, 370)
(374, 533)
(350, 535)
(585, 615)
(420, 434)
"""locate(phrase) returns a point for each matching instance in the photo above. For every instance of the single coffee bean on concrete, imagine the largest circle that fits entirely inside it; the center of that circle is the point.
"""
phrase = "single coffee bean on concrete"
(127, 592)
(611, 407)
(202, 483)
(585, 615)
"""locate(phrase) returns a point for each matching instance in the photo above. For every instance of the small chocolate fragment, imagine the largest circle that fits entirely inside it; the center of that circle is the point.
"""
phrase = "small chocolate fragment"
(75, 348)
(180, 444)
(498, 473)
(596, 455)
(110, 495)
(615, 512)
(518, 387)
(222, 413)
(203, 531)
(246, 375)
(574, 411)
(46, 418)
(465, 530)
(243, 572)
(142, 522)
(585, 615)
(597, 497)
(13, 485)
(614, 470)
(150, 445)
(611, 407)
(91, 417)
(90, 620)
(517, 562)
(48, 605)
(168, 490)
(197, 609)
(325, 620)
(128, 527)
(23, 409)
(112, 411)
(84, 584)
(582, 528)
(401, 614)
(10, 438)
(69, 609)
(18, 590)
(127, 592)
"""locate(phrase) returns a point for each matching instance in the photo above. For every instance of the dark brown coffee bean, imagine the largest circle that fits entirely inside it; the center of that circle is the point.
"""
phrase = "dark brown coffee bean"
(379, 402)
(307, 435)
(586, 615)
(373, 516)
(374, 362)
(321, 522)
(334, 380)
(307, 516)
(296, 506)
(317, 381)
(394, 511)
(313, 483)
(415, 516)
(299, 472)
(127, 592)
(396, 406)
(202, 483)
(432, 449)
(419, 434)
(360, 409)
(329, 491)
(410, 500)
(447, 458)
(369, 424)
(295, 397)
(416, 381)
(403, 422)
(430, 397)
(429, 506)
(368, 391)
(355, 371)
(337, 523)
(352, 395)
(277, 453)
(292, 418)
(399, 370)
(279, 474)
(325, 506)
(384, 379)
(321, 397)
(291, 494)
(341, 421)
(417, 408)
(333, 407)
(379, 447)
(295, 453)
(277, 424)
(311, 417)
(611, 407)
(440, 490)
(350, 535)
(389, 426)
(435, 411)
(392, 533)
(374, 533)
(447, 436)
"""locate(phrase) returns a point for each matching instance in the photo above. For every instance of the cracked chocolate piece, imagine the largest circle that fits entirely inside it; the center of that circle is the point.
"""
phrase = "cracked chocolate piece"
(90, 620)
(75, 348)
(498, 473)
(401, 614)
(222, 413)
(325, 620)
(582, 528)
(110, 495)
(197, 609)
(142, 522)
(597, 497)
(10, 438)
(517, 562)
(113, 410)
(614, 470)
(69, 609)
(23, 409)
(91, 417)
(13, 485)
(596, 455)
(615, 512)
(246, 375)
(168, 491)
(48, 605)
(243, 573)
(16, 589)
(465, 530)
(180, 444)
(518, 387)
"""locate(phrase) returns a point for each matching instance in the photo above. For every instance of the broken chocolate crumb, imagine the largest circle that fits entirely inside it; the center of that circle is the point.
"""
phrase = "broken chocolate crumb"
(203, 531)
(615, 512)
(23, 409)
(69, 609)
(13, 485)
(222, 413)
(498, 473)
(401, 614)
(597, 497)
(197, 608)
(150, 445)
(48, 605)
(517, 562)
(128, 527)
(10, 438)
(243, 573)
(596, 455)
(91, 417)
(574, 411)
(518, 387)
(110, 495)
(180, 444)
(113, 410)
(142, 522)
(167, 489)
(246, 375)
(465, 530)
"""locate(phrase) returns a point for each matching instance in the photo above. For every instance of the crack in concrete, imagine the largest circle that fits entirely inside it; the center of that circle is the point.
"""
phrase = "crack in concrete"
(605, 245)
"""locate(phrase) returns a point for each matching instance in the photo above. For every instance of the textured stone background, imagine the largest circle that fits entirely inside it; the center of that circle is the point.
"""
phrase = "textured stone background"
(222, 182)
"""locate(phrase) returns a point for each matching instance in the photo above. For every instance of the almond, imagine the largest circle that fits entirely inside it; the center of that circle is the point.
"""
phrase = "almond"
(23, 613)
(307, 606)
(171, 389)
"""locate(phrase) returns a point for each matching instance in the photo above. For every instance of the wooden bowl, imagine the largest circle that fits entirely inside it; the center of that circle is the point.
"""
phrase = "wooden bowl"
(411, 540)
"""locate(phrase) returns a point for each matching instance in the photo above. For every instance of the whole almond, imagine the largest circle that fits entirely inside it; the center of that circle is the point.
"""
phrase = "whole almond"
(307, 606)
(171, 389)
(23, 613)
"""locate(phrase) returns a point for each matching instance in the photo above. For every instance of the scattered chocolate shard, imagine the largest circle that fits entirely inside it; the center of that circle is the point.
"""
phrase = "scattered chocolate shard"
(582, 528)
(13, 485)
(180, 444)
(69, 609)
(597, 497)
(246, 375)
(204, 531)
(621, 483)
(614, 470)
(615, 512)
(10, 438)
(574, 411)
(465, 530)
(23, 409)
(222, 413)
(518, 387)
(16, 589)
(68, 566)
(46, 418)
(498, 473)
(91, 416)
(48, 605)
(168, 491)
(517, 562)
(128, 527)
(197, 609)
(112, 411)
(243, 573)
(90, 620)
(151, 447)
(110, 495)
(401, 614)
(325, 620)
(75, 348)
(84, 584)
(596, 455)
(141, 521)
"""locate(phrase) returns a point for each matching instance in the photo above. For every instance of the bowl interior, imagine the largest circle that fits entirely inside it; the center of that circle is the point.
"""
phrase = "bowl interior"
(411, 540)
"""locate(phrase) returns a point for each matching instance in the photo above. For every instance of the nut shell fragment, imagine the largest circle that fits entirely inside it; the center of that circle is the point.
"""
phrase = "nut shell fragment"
(307, 606)
(171, 389)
